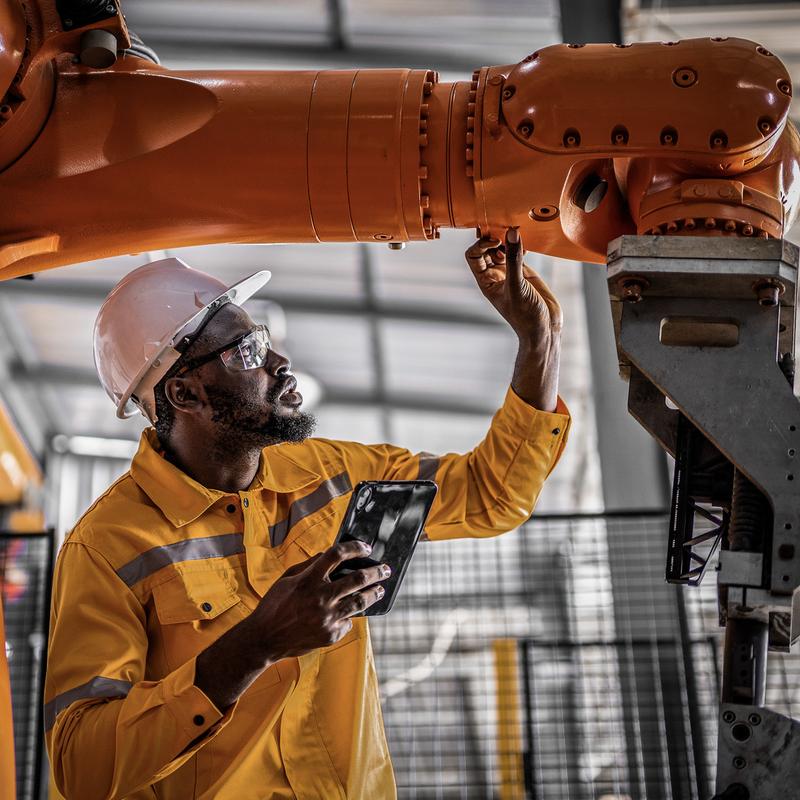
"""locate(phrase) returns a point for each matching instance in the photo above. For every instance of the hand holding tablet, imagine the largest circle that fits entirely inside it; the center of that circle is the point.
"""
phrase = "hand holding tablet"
(389, 516)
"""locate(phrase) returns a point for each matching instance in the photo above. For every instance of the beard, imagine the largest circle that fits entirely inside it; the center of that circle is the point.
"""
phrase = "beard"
(245, 421)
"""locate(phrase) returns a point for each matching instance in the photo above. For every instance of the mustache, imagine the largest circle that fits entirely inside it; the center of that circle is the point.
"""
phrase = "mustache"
(279, 388)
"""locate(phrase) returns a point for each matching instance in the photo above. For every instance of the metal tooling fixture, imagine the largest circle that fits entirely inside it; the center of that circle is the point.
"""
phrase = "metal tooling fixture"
(705, 332)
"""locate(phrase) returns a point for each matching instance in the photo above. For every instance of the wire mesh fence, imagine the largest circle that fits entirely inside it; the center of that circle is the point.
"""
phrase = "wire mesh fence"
(25, 569)
(553, 662)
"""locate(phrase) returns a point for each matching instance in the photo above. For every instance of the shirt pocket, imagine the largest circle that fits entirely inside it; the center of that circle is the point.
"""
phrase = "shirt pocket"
(320, 534)
(193, 610)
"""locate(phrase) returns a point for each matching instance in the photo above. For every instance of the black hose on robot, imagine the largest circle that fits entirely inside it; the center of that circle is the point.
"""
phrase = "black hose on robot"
(139, 49)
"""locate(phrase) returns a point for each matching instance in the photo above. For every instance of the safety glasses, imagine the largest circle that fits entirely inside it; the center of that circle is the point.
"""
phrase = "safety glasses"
(249, 351)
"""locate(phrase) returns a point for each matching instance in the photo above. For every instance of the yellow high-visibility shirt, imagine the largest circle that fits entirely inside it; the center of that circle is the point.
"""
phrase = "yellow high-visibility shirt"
(160, 566)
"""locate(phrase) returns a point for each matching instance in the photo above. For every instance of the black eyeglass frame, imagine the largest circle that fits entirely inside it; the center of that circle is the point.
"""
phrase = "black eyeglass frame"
(193, 363)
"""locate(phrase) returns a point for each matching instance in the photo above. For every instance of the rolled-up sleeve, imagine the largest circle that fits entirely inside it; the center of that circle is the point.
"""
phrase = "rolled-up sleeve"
(492, 488)
(109, 731)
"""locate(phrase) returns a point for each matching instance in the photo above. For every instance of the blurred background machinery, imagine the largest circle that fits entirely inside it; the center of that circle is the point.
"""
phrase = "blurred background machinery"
(566, 668)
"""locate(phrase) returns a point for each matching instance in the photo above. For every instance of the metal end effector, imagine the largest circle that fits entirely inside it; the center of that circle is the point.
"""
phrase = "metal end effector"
(103, 151)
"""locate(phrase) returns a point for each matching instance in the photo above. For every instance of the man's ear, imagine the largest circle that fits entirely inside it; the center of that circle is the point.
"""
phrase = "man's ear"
(185, 394)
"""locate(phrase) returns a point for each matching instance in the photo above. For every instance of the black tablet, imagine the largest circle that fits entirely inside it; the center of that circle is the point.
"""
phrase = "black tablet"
(390, 516)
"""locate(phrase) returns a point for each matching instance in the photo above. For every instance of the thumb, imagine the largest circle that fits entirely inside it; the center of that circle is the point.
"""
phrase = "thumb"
(514, 255)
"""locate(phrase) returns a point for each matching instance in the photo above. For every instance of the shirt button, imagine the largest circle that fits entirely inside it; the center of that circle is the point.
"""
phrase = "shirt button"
(206, 607)
(230, 508)
(556, 431)
(245, 502)
(199, 719)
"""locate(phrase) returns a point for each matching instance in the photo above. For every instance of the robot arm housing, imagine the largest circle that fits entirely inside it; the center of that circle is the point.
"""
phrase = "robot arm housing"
(575, 144)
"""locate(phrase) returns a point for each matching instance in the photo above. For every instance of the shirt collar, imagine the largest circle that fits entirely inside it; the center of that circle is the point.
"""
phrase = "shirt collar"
(282, 470)
(182, 499)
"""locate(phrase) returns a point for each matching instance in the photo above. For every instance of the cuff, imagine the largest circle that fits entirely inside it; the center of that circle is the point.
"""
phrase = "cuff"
(193, 711)
(531, 424)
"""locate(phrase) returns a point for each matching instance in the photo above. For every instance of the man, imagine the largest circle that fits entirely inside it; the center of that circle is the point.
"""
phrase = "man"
(198, 647)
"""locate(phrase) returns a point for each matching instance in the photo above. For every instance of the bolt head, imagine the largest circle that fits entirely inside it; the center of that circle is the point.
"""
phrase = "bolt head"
(631, 291)
(768, 294)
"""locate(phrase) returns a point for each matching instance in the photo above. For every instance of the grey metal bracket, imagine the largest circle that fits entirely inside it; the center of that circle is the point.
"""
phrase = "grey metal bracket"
(734, 392)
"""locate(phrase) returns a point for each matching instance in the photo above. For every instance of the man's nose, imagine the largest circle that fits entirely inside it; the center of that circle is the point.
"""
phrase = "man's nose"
(278, 364)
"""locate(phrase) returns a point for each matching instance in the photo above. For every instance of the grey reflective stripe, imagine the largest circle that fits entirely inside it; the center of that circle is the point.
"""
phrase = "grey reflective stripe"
(428, 467)
(226, 544)
(310, 504)
(96, 687)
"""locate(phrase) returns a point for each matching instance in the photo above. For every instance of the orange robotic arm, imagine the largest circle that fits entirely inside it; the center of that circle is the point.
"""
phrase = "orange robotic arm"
(576, 145)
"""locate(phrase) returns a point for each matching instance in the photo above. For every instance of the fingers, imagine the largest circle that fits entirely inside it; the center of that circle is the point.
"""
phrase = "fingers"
(357, 580)
(334, 556)
(360, 601)
(482, 246)
(485, 253)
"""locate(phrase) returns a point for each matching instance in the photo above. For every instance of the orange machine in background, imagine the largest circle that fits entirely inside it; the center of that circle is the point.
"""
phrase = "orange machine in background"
(103, 152)
(20, 477)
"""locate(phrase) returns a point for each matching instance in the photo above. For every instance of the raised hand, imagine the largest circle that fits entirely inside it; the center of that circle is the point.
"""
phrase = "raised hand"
(524, 300)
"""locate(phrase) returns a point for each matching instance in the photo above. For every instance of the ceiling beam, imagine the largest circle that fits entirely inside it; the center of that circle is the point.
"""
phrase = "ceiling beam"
(64, 291)
(276, 55)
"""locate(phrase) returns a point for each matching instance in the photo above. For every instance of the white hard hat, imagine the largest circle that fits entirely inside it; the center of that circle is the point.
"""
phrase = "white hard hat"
(146, 316)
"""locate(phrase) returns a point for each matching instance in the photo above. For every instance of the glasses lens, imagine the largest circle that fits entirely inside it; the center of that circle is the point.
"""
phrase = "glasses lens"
(250, 353)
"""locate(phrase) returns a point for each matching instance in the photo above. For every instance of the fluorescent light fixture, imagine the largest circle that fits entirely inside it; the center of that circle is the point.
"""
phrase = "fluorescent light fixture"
(97, 446)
